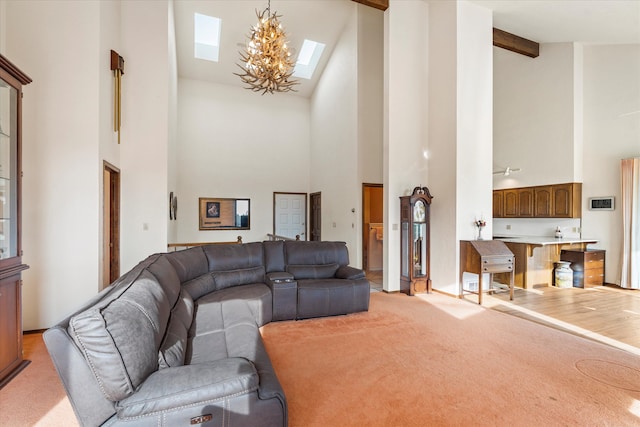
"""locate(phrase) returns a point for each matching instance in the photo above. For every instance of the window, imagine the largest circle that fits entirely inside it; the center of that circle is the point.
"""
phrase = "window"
(308, 58)
(206, 37)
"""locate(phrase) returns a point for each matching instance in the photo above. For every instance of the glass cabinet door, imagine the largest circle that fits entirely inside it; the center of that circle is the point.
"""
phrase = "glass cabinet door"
(8, 170)
(419, 238)
(419, 249)
(404, 258)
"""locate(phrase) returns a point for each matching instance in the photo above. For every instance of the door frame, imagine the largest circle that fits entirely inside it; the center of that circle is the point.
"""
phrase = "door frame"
(275, 194)
(111, 224)
(365, 231)
(313, 218)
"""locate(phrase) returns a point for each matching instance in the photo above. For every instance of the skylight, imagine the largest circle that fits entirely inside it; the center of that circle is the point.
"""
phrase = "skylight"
(206, 37)
(308, 58)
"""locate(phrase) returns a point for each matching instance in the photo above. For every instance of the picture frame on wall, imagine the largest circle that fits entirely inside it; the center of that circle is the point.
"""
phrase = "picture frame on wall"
(224, 213)
(173, 206)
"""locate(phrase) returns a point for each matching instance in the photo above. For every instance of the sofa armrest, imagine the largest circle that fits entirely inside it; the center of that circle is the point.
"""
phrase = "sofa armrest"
(348, 272)
(89, 403)
(180, 386)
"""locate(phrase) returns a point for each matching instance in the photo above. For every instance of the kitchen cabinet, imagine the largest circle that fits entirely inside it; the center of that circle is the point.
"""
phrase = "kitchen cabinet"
(587, 266)
(525, 202)
(11, 266)
(544, 201)
(510, 203)
(567, 200)
(498, 203)
(518, 203)
(415, 276)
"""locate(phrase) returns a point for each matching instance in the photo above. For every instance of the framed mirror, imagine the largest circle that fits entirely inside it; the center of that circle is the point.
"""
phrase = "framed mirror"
(224, 214)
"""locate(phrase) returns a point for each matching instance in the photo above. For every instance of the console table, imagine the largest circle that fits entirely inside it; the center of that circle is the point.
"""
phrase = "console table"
(485, 256)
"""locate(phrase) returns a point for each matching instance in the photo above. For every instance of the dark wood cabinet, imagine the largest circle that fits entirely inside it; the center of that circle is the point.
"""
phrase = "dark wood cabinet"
(588, 266)
(415, 275)
(11, 266)
(518, 203)
(567, 200)
(498, 203)
(525, 202)
(544, 201)
(510, 203)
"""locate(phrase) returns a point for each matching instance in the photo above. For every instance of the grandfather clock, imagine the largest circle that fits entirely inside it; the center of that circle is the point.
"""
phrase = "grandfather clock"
(414, 242)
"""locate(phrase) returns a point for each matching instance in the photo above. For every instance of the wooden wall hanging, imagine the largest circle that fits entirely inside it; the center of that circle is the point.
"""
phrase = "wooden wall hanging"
(117, 66)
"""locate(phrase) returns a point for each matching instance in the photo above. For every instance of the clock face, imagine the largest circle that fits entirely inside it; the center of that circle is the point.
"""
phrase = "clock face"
(419, 211)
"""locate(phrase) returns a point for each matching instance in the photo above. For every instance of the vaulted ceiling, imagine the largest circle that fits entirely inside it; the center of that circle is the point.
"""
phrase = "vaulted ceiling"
(543, 21)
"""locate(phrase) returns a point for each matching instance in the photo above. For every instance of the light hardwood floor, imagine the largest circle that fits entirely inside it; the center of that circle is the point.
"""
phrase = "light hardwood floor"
(607, 314)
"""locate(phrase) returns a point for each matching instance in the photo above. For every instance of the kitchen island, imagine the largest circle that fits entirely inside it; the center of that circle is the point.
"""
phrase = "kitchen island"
(536, 257)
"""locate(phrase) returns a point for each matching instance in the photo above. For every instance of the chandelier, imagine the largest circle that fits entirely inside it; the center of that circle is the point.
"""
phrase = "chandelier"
(267, 60)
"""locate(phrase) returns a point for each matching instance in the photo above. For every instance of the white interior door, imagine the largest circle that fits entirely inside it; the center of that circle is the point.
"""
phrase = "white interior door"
(290, 213)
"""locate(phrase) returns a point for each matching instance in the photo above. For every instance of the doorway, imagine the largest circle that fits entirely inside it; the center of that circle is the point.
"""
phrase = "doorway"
(315, 219)
(110, 225)
(289, 215)
(373, 232)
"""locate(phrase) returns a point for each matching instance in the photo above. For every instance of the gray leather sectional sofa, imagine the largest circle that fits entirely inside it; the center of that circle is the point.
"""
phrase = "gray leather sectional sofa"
(176, 340)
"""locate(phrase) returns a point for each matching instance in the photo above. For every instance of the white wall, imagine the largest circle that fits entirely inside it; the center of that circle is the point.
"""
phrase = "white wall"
(334, 143)
(405, 132)
(61, 133)
(534, 116)
(234, 143)
(569, 115)
(443, 141)
(109, 150)
(3, 24)
(172, 154)
(370, 45)
(145, 130)
(67, 135)
(460, 131)
(474, 122)
(611, 133)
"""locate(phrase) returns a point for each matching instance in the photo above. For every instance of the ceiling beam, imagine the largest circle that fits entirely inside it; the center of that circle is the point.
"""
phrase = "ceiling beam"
(515, 43)
(378, 4)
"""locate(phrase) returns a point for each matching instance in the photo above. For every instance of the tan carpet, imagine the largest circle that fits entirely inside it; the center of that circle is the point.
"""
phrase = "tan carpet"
(409, 361)
(436, 360)
(36, 396)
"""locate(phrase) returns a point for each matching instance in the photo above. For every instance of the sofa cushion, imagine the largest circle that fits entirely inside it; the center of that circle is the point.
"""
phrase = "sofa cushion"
(200, 286)
(169, 389)
(234, 257)
(120, 337)
(241, 276)
(189, 263)
(325, 271)
(273, 255)
(166, 277)
(238, 304)
(174, 344)
(314, 253)
(330, 297)
(213, 323)
(351, 273)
